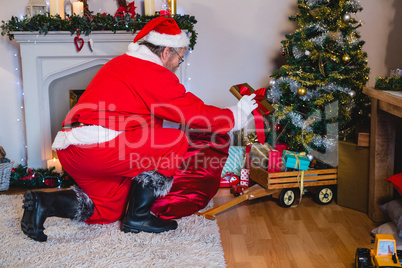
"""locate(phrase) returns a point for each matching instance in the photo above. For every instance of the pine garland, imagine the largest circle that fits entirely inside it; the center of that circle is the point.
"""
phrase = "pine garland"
(86, 24)
(389, 83)
(22, 176)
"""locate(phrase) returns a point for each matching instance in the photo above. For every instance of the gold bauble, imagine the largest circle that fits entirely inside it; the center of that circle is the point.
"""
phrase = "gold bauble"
(346, 58)
(302, 91)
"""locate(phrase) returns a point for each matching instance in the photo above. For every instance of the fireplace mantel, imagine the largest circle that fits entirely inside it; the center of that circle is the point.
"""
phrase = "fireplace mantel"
(67, 37)
(46, 58)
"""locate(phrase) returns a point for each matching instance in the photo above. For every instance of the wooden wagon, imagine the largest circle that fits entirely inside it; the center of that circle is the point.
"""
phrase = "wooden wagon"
(283, 185)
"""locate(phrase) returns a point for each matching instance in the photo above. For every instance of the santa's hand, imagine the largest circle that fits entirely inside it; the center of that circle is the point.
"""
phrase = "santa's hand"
(242, 110)
(247, 104)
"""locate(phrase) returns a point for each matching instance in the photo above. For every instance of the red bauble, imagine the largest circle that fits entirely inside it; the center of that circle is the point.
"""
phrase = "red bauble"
(283, 53)
(278, 128)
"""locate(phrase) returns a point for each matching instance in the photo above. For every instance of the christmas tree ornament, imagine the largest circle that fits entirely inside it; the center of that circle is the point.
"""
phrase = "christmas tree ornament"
(345, 58)
(272, 82)
(282, 51)
(352, 93)
(346, 17)
(310, 157)
(278, 128)
(302, 91)
(307, 53)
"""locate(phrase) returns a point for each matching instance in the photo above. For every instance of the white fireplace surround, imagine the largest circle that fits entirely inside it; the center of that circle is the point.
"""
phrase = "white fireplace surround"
(47, 58)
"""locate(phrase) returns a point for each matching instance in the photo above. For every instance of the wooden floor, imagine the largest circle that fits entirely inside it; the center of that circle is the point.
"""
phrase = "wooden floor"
(260, 233)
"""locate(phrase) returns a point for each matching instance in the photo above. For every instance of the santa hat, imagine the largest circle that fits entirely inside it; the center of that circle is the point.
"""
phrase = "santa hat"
(161, 31)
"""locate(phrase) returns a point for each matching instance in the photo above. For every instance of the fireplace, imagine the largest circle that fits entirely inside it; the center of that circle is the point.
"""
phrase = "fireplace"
(51, 67)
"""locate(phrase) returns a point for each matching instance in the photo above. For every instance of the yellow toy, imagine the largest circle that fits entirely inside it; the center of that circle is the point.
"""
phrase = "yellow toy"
(384, 253)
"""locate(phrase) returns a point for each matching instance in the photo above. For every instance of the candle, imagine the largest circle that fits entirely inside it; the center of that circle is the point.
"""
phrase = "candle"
(173, 7)
(78, 8)
(55, 163)
(56, 7)
(149, 6)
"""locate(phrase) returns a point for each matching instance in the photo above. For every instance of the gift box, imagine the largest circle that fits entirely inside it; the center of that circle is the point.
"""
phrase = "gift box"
(259, 154)
(274, 161)
(281, 147)
(264, 106)
(235, 161)
(294, 160)
(245, 177)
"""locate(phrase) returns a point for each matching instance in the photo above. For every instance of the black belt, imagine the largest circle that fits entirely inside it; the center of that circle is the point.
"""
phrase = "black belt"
(74, 125)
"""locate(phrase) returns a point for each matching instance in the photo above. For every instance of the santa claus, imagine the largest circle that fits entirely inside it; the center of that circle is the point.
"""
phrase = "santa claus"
(115, 147)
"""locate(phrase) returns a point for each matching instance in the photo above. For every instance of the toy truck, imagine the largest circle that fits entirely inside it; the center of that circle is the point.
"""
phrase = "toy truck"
(383, 255)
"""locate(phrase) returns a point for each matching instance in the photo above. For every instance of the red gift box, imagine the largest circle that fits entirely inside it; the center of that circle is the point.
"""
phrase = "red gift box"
(274, 161)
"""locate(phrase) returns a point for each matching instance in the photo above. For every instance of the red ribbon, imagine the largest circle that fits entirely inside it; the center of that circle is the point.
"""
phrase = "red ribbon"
(258, 116)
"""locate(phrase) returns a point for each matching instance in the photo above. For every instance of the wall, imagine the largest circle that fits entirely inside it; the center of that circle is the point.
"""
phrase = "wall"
(238, 41)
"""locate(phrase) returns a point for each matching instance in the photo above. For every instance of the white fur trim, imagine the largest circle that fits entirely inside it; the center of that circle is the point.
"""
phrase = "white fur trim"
(143, 53)
(159, 183)
(83, 136)
(240, 118)
(132, 47)
(168, 40)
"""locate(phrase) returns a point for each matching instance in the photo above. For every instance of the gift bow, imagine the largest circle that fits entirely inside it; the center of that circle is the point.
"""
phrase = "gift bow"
(301, 174)
(258, 116)
(296, 155)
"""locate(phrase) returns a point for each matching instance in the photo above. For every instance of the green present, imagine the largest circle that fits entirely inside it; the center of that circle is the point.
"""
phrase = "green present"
(236, 160)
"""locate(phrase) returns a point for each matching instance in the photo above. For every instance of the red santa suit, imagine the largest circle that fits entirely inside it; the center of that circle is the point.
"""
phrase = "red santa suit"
(121, 134)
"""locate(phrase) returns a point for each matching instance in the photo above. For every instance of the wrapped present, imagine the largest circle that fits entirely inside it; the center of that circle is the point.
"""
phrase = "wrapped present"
(274, 161)
(245, 89)
(235, 161)
(281, 147)
(259, 154)
(264, 108)
(229, 179)
(294, 160)
(245, 177)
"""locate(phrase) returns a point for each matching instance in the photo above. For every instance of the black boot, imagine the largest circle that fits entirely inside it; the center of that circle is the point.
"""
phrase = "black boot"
(149, 186)
(73, 204)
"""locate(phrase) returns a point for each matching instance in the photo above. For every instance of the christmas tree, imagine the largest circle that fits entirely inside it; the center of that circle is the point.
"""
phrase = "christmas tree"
(318, 93)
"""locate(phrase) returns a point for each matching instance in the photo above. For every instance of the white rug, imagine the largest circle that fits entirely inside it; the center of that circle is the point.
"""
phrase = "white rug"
(195, 243)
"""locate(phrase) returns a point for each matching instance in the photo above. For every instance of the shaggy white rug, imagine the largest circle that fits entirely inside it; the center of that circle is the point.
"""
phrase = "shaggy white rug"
(195, 243)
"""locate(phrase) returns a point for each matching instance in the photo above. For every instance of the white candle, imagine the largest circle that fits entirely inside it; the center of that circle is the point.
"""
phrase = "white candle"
(149, 6)
(78, 8)
(56, 7)
(55, 163)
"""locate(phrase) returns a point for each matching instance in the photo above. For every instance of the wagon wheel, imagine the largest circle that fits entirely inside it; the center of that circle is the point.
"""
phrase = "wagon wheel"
(324, 195)
(287, 197)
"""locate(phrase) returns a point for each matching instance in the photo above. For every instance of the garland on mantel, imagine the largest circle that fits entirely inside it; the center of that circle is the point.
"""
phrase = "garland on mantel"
(22, 176)
(86, 24)
(389, 83)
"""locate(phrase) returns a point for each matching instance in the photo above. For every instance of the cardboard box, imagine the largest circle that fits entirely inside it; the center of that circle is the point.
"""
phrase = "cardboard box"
(353, 176)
